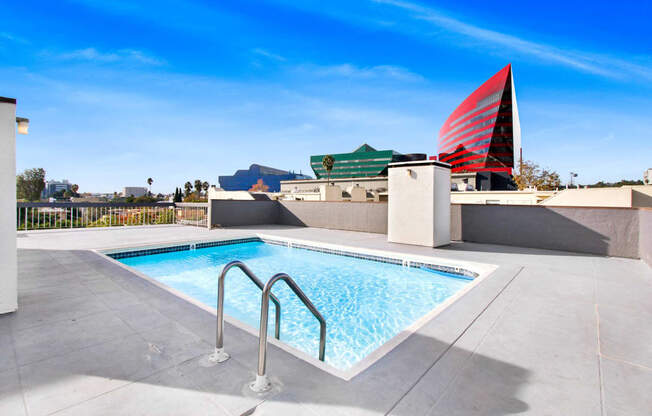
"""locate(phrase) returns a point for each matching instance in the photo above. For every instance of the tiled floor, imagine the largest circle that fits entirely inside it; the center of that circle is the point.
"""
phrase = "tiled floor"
(549, 333)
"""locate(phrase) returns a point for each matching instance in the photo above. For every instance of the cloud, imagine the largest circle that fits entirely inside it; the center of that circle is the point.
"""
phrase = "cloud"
(121, 55)
(13, 38)
(268, 55)
(352, 71)
(598, 64)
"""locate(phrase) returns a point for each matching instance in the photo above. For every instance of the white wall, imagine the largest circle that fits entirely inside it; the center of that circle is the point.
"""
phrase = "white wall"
(8, 274)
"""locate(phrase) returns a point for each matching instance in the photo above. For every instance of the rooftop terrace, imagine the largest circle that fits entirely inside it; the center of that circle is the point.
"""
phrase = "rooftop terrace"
(548, 332)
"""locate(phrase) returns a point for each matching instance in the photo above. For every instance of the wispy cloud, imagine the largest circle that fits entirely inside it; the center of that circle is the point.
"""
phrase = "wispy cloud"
(599, 64)
(267, 54)
(121, 55)
(12, 38)
(352, 71)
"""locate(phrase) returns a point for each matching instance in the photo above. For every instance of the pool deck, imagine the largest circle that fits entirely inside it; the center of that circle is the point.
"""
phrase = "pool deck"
(547, 333)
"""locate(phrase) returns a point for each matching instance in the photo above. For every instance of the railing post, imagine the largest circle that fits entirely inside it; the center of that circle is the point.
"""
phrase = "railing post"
(262, 384)
(219, 355)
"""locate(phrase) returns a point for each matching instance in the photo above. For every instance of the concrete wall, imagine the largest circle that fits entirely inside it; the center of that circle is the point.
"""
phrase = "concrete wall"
(618, 232)
(370, 217)
(645, 235)
(229, 213)
(605, 231)
(8, 266)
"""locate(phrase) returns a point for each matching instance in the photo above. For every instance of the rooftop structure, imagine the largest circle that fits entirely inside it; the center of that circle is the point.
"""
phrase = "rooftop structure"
(484, 133)
(638, 196)
(244, 179)
(647, 177)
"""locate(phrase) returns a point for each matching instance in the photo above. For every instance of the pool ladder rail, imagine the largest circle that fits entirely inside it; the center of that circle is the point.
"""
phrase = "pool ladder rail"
(262, 384)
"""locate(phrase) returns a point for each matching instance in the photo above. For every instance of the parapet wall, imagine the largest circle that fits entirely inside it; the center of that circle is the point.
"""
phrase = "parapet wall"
(369, 217)
(604, 231)
(621, 232)
(645, 235)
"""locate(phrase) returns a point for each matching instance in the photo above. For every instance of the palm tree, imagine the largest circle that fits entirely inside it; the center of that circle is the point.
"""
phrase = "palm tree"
(205, 186)
(327, 162)
(188, 188)
(198, 185)
(150, 181)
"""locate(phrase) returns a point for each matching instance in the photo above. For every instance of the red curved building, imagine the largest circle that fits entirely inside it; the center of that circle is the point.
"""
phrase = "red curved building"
(483, 134)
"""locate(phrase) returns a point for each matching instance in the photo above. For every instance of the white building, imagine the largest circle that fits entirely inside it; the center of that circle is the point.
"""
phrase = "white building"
(134, 191)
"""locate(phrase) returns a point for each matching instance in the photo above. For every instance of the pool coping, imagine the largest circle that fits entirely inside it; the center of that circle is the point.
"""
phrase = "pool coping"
(481, 271)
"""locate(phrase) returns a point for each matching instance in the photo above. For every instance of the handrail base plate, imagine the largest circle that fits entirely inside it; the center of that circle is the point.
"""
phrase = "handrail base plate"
(218, 356)
(261, 384)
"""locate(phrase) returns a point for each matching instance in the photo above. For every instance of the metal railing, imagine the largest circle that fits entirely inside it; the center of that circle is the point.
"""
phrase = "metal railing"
(220, 355)
(262, 383)
(61, 215)
(191, 213)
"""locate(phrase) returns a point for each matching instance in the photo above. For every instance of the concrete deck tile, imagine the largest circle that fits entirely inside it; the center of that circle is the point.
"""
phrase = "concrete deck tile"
(61, 337)
(45, 294)
(98, 286)
(142, 317)
(168, 392)
(63, 381)
(118, 299)
(29, 315)
(226, 383)
(626, 335)
(626, 292)
(284, 404)
(626, 388)
(7, 356)
(11, 396)
(175, 343)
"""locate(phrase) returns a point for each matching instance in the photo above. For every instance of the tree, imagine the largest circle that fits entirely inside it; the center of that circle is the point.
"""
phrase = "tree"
(205, 186)
(328, 162)
(259, 186)
(30, 184)
(150, 181)
(531, 175)
(74, 188)
(188, 188)
(622, 182)
(198, 184)
(178, 197)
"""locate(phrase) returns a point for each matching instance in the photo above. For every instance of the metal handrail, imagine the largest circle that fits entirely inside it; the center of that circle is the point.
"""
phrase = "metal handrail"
(261, 383)
(219, 355)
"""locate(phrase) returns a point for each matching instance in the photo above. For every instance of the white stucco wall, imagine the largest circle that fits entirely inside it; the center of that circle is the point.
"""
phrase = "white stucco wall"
(418, 209)
(8, 291)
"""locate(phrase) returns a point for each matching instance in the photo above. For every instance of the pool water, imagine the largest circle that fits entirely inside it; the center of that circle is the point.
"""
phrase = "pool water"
(365, 303)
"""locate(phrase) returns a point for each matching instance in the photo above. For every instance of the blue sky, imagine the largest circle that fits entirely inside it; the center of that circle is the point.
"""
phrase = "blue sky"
(119, 91)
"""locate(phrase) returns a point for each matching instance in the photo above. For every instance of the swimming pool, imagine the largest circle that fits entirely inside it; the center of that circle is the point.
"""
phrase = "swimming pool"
(365, 302)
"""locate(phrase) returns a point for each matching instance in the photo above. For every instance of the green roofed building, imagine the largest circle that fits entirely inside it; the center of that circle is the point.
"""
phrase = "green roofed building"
(362, 162)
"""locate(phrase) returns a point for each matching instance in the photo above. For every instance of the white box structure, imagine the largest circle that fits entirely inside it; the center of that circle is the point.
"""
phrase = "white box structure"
(8, 261)
(419, 203)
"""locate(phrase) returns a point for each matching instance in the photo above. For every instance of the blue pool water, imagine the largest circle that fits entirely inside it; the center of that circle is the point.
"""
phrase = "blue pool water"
(364, 302)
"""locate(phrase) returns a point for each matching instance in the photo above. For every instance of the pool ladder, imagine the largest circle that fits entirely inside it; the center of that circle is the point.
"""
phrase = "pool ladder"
(262, 384)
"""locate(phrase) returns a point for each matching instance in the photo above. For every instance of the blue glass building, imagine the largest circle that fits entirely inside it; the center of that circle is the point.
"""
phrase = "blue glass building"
(243, 179)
